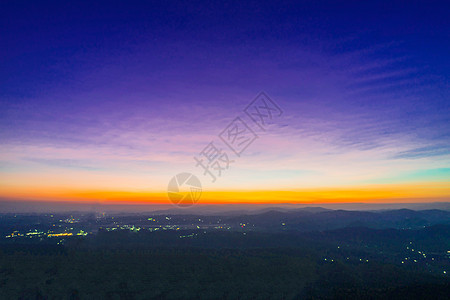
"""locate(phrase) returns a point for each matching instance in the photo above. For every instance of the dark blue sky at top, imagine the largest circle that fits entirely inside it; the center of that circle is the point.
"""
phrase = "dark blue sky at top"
(50, 50)
(45, 41)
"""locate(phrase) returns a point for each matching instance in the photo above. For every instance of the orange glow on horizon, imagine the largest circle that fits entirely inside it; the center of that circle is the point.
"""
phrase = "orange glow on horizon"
(393, 193)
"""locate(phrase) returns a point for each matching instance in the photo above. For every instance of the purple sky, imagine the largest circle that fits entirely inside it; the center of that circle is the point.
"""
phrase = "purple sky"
(98, 96)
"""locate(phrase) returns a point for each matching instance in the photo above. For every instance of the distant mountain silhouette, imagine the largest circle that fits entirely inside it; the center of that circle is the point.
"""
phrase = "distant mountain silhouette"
(322, 219)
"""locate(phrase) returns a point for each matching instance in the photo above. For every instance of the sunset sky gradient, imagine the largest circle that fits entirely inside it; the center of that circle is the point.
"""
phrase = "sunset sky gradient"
(108, 100)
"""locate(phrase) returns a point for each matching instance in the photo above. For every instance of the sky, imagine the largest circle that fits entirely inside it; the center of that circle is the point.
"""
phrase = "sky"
(109, 100)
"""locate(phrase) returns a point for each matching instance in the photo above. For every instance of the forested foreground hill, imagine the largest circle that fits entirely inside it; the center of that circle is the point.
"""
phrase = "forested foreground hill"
(207, 274)
(358, 263)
